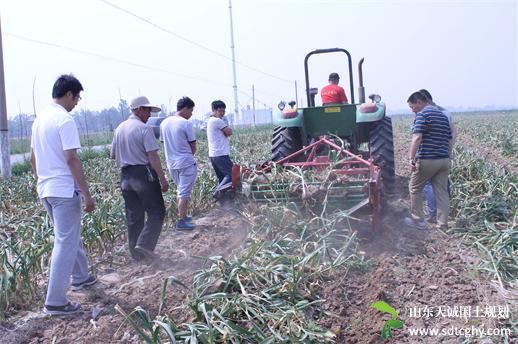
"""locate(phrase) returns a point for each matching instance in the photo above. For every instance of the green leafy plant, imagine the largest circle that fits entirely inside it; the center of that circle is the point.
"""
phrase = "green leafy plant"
(392, 323)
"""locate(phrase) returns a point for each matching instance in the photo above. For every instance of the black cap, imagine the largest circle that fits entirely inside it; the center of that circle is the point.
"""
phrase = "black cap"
(334, 76)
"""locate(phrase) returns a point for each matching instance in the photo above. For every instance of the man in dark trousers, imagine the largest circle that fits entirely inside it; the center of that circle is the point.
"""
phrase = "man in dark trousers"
(218, 133)
(135, 149)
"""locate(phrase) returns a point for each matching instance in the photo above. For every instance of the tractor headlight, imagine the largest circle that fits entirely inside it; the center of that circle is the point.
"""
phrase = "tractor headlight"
(281, 105)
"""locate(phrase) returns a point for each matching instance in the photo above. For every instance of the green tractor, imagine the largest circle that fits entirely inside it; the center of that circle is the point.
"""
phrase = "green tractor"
(355, 123)
(319, 154)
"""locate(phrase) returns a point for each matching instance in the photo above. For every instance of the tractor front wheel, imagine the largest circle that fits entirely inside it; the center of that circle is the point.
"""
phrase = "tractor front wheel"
(285, 141)
(382, 150)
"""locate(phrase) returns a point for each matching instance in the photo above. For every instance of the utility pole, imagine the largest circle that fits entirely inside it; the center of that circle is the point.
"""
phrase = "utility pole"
(236, 103)
(4, 128)
(33, 99)
(253, 105)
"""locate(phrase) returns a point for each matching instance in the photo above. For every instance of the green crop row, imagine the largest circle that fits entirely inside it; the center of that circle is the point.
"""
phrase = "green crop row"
(495, 131)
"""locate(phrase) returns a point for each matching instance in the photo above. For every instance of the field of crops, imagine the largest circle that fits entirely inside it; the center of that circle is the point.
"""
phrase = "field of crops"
(294, 277)
(495, 131)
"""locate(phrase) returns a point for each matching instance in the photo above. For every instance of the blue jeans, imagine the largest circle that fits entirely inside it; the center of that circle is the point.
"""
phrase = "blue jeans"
(68, 255)
(223, 167)
(430, 199)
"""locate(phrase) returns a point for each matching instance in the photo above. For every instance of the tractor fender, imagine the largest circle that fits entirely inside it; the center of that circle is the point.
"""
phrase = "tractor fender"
(370, 113)
(288, 118)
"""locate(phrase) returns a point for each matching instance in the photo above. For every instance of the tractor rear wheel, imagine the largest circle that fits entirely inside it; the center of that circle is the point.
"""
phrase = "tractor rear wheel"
(285, 141)
(382, 150)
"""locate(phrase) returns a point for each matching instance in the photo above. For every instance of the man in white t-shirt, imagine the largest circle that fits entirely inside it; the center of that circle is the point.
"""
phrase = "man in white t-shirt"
(218, 133)
(177, 133)
(62, 188)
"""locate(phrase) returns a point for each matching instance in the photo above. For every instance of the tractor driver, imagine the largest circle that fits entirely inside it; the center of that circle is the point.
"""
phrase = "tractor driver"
(333, 94)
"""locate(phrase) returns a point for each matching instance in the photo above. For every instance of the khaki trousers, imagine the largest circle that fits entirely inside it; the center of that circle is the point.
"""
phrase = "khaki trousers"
(437, 172)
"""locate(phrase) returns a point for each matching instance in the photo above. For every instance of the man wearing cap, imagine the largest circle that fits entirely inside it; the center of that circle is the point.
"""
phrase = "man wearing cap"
(332, 93)
(177, 133)
(135, 149)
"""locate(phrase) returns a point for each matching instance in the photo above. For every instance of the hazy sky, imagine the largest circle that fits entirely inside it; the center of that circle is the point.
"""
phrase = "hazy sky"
(464, 52)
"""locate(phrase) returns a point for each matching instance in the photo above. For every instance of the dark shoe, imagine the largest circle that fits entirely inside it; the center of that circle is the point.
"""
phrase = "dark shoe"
(419, 224)
(137, 256)
(69, 308)
(431, 220)
(146, 253)
(185, 225)
(188, 218)
(91, 280)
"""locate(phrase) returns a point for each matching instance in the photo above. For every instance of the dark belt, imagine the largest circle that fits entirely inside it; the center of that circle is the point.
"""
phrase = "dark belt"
(133, 166)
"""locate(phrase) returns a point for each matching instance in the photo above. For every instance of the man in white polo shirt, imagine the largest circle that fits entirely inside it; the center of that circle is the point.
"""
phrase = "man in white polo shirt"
(62, 188)
(218, 133)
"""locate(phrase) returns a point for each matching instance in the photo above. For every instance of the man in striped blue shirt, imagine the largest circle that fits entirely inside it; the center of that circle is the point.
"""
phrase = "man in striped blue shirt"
(430, 160)
(428, 190)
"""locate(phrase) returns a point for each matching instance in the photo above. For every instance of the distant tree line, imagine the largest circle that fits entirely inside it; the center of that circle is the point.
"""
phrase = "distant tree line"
(106, 120)
(88, 121)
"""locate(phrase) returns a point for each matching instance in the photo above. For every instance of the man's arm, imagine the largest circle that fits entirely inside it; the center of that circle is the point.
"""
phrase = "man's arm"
(112, 148)
(417, 138)
(193, 147)
(154, 161)
(227, 131)
(76, 167)
(343, 96)
(33, 165)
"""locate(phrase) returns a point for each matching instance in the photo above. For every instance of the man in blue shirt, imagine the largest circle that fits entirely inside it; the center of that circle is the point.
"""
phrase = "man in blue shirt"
(430, 160)
(428, 189)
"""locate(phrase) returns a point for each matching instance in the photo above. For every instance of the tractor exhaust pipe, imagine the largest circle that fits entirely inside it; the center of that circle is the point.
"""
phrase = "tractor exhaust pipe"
(361, 89)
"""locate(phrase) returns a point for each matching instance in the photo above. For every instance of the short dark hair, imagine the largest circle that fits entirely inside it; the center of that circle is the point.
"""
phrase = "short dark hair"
(218, 104)
(426, 94)
(184, 102)
(64, 84)
(414, 97)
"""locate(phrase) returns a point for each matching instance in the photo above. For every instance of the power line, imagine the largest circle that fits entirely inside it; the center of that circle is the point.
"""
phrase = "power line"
(251, 97)
(189, 40)
(88, 53)
(112, 59)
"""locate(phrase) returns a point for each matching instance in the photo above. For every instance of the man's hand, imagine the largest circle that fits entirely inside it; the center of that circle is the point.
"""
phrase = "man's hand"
(89, 203)
(413, 165)
(164, 184)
